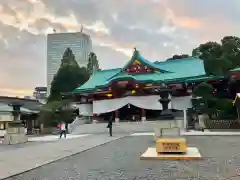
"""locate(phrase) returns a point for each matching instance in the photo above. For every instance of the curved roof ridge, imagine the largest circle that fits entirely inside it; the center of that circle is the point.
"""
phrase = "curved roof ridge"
(178, 60)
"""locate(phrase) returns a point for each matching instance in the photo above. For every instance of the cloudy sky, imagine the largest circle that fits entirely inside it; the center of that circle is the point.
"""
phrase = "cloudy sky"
(158, 28)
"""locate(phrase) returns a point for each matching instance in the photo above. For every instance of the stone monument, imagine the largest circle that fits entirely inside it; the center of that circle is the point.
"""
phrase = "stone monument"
(15, 132)
(165, 100)
(167, 124)
(169, 146)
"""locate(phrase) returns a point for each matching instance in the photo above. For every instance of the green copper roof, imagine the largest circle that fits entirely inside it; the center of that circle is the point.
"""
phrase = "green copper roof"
(167, 71)
(235, 69)
(137, 56)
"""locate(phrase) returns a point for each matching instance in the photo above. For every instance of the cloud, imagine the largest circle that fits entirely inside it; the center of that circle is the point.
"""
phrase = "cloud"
(158, 28)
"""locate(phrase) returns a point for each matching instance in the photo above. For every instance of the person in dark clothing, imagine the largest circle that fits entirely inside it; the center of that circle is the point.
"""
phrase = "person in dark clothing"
(109, 126)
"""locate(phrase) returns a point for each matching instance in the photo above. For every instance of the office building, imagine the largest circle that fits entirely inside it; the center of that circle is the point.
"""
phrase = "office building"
(40, 93)
(80, 43)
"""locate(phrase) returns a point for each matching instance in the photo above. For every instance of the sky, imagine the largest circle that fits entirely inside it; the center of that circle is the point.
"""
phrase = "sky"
(157, 28)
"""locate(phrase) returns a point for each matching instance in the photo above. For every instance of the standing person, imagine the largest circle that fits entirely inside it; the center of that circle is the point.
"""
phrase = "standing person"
(62, 127)
(109, 126)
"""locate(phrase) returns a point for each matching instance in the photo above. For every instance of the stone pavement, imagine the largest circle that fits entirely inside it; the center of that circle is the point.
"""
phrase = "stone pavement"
(19, 160)
(48, 138)
(120, 160)
(122, 127)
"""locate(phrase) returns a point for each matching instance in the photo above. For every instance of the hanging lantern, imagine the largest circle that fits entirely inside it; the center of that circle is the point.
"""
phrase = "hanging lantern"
(128, 106)
(189, 90)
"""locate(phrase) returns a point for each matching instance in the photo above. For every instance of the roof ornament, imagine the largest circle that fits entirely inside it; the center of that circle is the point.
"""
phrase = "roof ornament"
(135, 51)
(81, 30)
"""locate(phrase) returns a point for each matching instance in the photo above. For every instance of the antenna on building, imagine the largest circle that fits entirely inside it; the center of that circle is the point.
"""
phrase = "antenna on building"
(81, 29)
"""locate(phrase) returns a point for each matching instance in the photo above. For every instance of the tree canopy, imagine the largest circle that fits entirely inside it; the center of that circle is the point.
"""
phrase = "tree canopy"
(68, 77)
(204, 90)
(93, 64)
(176, 56)
(219, 57)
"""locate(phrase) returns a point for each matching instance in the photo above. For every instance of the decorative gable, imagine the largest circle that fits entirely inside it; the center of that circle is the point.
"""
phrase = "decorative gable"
(138, 68)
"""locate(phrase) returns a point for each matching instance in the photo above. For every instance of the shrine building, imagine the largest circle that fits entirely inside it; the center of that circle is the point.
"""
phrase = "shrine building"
(141, 89)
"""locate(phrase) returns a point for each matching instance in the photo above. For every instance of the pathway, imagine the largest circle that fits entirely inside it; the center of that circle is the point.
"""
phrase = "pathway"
(19, 160)
(122, 127)
(120, 160)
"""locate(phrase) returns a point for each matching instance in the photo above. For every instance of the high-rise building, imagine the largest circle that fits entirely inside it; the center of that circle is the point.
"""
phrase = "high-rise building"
(80, 43)
(40, 93)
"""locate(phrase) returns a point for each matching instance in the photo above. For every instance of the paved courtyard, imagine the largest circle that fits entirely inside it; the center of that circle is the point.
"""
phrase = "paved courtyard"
(119, 160)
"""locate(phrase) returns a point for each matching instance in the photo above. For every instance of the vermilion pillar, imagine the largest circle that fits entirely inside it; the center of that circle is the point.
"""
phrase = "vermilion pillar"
(143, 114)
(94, 118)
(116, 116)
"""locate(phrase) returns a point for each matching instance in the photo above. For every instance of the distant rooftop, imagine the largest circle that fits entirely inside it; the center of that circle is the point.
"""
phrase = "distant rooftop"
(67, 33)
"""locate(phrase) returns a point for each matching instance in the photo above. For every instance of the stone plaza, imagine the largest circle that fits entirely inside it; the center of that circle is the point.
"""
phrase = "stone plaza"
(99, 157)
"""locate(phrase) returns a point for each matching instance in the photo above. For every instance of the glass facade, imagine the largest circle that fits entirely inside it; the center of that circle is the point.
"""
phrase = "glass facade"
(57, 43)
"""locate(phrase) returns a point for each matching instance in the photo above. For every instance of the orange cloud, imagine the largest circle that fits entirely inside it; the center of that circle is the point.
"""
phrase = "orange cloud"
(13, 92)
(182, 20)
(188, 22)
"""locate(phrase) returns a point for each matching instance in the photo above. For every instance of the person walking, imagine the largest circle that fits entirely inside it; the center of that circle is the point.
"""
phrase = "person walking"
(62, 127)
(109, 126)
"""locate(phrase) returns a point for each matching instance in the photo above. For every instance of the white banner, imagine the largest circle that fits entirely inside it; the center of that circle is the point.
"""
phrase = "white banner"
(105, 106)
(145, 102)
(181, 103)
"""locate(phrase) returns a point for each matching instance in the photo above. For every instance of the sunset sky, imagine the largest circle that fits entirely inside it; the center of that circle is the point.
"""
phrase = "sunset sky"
(158, 28)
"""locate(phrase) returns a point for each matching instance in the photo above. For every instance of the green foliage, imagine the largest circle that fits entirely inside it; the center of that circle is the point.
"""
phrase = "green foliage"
(219, 58)
(68, 77)
(204, 90)
(222, 109)
(92, 65)
(182, 56)
(56, 111)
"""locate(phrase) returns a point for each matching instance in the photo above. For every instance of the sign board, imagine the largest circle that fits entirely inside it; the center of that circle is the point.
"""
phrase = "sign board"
(168, 147)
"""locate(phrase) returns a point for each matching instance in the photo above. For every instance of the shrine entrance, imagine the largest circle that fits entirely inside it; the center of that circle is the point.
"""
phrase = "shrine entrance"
(129, 113)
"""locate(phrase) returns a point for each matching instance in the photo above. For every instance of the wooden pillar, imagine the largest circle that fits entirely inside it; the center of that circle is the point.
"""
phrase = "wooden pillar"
(41, 127)
(143, 114)
(184, 119)
(94, 118)
(117, 116)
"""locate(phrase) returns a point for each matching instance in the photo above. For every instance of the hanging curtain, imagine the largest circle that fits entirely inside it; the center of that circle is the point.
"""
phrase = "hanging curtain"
(105, 106)
(146, 102)
(85, 109)
(181, 103)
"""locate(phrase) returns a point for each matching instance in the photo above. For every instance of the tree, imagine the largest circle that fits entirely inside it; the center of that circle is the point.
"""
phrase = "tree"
(68, 77)
(92, 65)
(219, 58)
(182, 56)
(203, 90)
(231, 47)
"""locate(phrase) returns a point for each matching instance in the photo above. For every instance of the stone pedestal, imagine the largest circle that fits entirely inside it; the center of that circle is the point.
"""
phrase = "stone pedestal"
(171, 149)
(165, 100)
(15, 133)
(166, 128)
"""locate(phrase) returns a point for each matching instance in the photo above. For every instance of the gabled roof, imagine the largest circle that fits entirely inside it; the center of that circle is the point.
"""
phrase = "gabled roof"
(29, 104)
(167, 71)
(6, 108)
(137, 57)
